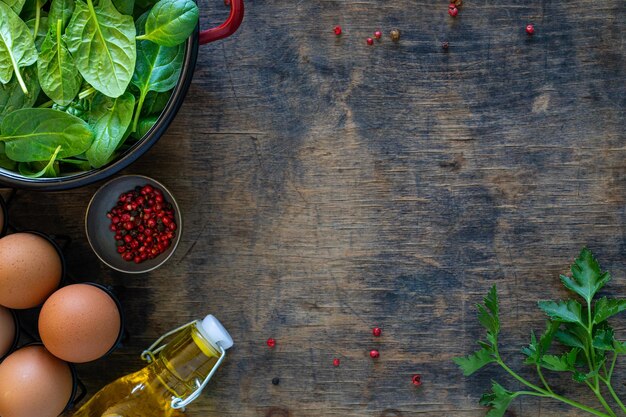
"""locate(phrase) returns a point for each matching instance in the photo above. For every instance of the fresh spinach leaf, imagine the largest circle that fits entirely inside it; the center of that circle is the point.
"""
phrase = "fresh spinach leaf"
(158, 69)
(33, 134)
(58, 76)
(141, 6)
(170, 22)
(79, 107)
(33, 8)
(109, 119)
(13, 98)
(42, 30)
(5, 162)
(79, 162)
(125, 6)
(41, 169)
(144, 126)
(155, 102)
(17, 48)
(62, 9)
(102, 42)
(38, 5)
(15, 5)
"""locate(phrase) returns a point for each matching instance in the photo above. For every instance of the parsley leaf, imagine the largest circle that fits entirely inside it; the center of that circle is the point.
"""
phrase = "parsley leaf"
(472, 363)
(488, 316)
(569, 311)
(499, 400)
(587, 278)
(565, 362)
(606, 308)
(536, 349)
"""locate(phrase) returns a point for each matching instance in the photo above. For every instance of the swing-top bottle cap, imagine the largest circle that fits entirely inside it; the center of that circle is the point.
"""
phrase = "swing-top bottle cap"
(216, 332)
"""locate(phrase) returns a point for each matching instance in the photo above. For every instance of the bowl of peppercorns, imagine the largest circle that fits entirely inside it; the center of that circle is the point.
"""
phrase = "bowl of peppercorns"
(133, 224)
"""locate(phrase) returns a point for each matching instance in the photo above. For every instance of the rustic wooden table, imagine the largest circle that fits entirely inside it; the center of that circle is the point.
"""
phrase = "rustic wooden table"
(328, 186)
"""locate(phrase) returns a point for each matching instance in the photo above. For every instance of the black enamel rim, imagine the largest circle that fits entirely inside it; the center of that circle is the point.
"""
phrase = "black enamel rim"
(13, 179)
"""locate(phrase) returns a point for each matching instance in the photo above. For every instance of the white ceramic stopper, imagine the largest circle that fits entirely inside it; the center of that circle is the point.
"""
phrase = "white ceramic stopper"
(216, 333)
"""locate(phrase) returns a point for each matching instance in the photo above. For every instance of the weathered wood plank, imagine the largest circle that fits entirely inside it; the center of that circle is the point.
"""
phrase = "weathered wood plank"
(328, 186)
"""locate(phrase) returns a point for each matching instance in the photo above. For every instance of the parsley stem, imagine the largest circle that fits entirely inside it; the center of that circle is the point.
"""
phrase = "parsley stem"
(607, 382)
(606, 406)
(545, 383)
(592, 357)
(549, 394)
(615, 397)
(610, 374)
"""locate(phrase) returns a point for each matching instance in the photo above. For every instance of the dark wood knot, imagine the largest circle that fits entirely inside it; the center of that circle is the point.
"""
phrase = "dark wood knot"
(277, 412)
(390, 412)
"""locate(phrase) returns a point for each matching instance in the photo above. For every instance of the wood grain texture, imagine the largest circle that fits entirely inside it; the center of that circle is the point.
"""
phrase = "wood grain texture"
(328, 187)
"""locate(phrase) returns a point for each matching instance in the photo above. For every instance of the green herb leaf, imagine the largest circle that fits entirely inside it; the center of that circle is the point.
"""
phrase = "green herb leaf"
(158, 69)
(109, 118)
(49, 169)
(13, 98)
(34, 134)
(125, 6)
(17, 47)
(144, 126)
(605, 308)
(565, 362)
(5, 162)
(62, 10)
(155, 103)
(15, 5)
(475, 361)
(582, 377)
(102, 42)
(32, 8)
(171, 22)
(572, 335)
(587, 278)
(58, 75)
(604, 339)
(488, 313)
(536, 349)
(42, 30)
(566, 311)
(499, 400)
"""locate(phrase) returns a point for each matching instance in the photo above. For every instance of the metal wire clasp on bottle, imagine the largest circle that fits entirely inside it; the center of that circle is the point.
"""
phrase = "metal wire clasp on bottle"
(149, 355)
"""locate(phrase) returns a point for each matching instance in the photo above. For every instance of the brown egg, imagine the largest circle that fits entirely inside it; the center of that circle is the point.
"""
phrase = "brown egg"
(79, 323)
(30, 270)
(7, 331)
(33, 383)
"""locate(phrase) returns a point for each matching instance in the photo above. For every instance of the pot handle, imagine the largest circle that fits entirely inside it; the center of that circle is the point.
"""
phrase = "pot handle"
(227, 28)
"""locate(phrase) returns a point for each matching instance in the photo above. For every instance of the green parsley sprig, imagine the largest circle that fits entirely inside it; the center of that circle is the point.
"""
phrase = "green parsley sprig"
(581, 327)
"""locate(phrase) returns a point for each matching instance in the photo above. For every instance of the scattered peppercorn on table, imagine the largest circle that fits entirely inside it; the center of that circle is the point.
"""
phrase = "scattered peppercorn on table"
(329, 187)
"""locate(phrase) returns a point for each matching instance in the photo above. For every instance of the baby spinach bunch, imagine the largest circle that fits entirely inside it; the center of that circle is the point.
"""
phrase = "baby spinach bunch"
(581, 327)
(78, 78)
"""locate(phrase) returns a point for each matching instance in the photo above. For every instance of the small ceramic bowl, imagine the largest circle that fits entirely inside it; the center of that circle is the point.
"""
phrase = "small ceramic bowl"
(101, 238)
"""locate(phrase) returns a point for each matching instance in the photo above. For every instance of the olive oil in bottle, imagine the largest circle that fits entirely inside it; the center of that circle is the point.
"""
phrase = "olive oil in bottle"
(175, 376)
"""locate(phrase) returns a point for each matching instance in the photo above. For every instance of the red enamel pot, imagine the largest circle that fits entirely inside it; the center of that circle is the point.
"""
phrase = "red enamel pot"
(79, 179)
